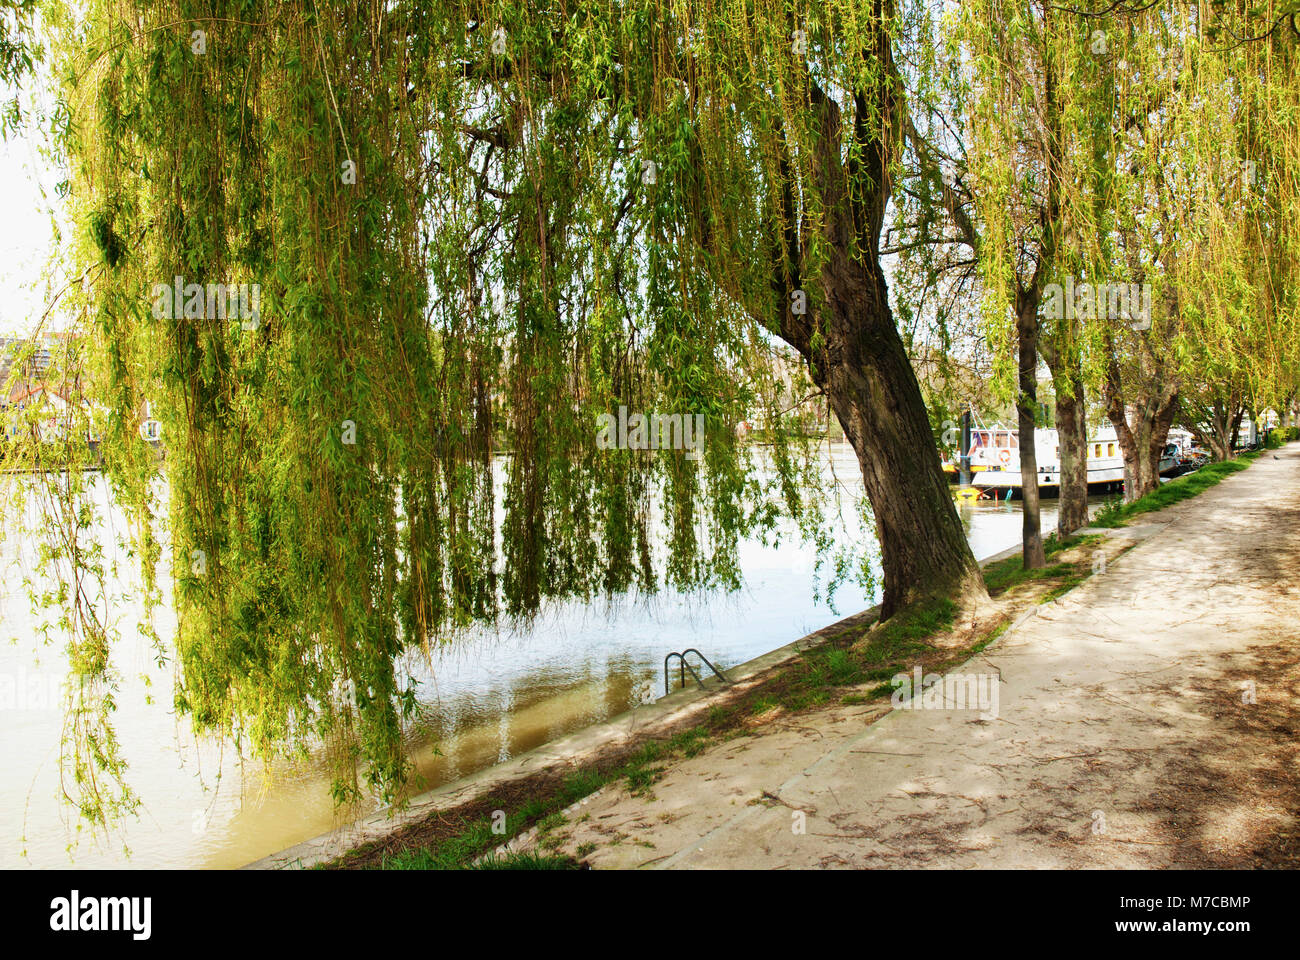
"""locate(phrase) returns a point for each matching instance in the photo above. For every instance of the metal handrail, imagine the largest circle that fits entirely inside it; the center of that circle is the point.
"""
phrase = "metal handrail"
(684, 666)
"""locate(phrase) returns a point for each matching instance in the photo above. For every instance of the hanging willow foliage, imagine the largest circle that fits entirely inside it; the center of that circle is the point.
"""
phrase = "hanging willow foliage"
(1240, 228)
(1153, 145)
(464, 232)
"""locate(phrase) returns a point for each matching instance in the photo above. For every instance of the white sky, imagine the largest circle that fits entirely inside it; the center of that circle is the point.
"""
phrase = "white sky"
(26, 232)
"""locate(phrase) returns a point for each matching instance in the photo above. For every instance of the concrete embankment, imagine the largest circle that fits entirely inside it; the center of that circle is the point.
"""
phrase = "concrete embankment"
(1137, 724)
(1147, 718)
(645, 721)
(593, 744)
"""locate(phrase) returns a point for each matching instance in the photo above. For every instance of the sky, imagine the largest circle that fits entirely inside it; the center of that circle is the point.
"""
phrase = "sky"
(26, 231)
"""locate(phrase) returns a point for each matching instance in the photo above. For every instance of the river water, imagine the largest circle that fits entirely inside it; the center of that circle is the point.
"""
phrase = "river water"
(491, 696)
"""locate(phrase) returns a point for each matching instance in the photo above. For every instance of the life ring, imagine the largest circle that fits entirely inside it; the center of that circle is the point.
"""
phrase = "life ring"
(1004, 456)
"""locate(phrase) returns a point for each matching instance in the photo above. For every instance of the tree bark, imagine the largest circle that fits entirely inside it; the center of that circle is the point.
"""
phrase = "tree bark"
(1221, 433)
(1026, 410)
(875, 395)
(1072, 437)
(1072, 432)
(1143, 441)
(855, 354)
(1214, 416)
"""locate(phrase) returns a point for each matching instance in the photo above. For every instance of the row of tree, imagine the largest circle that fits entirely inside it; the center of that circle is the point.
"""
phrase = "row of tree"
(473, 218)
(1143, 149)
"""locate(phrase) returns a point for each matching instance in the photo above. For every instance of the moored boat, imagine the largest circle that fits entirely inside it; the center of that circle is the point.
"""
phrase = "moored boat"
(995, 460)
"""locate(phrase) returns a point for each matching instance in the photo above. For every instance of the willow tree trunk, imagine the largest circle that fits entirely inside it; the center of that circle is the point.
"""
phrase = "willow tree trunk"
(1072, 435)
(1211, 421)
(876, 397)
(1026, 409)
(1143, 444)
(1143, 441)
(1222, 432)
(855, 354)
(861, 364)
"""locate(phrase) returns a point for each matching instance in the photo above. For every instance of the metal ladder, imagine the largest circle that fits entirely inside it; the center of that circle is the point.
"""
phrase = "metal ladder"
(683, 666)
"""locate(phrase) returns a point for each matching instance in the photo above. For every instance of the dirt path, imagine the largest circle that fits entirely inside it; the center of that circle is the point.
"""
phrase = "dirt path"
(1124, 734)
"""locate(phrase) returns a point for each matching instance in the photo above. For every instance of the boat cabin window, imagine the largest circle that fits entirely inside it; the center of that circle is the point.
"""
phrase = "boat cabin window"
(1097, 450)
(1110, 449)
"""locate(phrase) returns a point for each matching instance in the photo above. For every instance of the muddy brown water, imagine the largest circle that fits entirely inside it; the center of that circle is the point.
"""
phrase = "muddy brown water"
(494, 695)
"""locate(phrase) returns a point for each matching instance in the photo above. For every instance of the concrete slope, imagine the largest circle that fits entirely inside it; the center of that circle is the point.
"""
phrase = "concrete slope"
(1146, 719)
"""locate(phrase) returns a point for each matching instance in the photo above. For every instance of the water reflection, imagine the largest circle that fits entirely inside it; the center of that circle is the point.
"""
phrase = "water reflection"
(494, 695)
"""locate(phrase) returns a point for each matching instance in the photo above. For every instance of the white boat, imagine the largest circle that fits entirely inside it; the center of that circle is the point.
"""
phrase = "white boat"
(995, 459)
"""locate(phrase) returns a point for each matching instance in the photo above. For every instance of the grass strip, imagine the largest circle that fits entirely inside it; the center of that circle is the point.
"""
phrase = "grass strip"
(814, 678)
(1117, 514)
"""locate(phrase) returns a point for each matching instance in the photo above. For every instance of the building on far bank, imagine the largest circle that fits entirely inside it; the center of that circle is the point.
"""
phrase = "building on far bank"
(29, 380)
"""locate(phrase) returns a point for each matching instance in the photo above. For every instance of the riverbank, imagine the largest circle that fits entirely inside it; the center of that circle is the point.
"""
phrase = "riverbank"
(1146, 718)
(784, 710)
(529, 794)
(497, 692)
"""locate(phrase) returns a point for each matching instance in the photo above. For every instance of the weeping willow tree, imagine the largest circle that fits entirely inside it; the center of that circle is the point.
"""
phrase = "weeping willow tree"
(1241, 349)
(1202, 176)
(341, 259)
(1136, 178)
(1018, 100)
(1106, 146)
(1022, 91)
